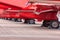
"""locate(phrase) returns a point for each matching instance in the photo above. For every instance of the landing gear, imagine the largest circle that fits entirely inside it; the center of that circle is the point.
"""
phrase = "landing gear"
(29, 21)
(54, 25)
(6, 18)
(51, 24)
(46, 23)
(13, 19)
(18, 20)
(9, 18)
(25, 21)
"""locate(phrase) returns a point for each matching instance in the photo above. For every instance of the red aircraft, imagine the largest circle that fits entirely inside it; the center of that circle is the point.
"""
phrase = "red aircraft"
(48, 13)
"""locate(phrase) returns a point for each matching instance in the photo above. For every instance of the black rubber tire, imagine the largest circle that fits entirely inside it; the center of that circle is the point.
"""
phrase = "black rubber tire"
(31, 21)
(13, 19)
(19, 20)
(45, 23)
(10, 19)
(54, 25)
(25, 21)
(6, 18)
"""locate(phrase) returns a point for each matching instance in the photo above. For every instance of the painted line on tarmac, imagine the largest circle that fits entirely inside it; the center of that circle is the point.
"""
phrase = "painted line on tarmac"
(33, 36)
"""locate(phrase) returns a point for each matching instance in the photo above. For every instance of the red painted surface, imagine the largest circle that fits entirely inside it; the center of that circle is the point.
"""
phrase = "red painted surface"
(20, 3)
(6, 6)
(30, 15)
(48, 15)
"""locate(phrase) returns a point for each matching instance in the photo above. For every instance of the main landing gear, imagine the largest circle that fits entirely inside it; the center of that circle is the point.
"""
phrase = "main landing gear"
(54, 24)
(29, 21)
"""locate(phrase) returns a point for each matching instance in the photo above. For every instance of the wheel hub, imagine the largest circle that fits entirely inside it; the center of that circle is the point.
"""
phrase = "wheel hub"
(54, 24)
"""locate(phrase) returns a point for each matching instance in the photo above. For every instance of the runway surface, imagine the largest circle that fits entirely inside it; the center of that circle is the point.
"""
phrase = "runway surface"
(10, 30)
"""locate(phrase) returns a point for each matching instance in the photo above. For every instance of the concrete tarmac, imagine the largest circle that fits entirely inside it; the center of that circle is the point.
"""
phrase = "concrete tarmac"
(10, 30)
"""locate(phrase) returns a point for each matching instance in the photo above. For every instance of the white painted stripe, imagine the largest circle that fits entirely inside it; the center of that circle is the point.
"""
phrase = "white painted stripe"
(46, 10)
(19, 10)
(43, 11)
(30, 11)
(33, 36)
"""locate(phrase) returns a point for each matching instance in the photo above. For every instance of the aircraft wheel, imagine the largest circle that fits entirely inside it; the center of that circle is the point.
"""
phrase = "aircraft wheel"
(6, 18)
(25, 21)
(45, 23)
(19, 20)
(31, 21)
(13, 19)
(54, 25)
(10, 19)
